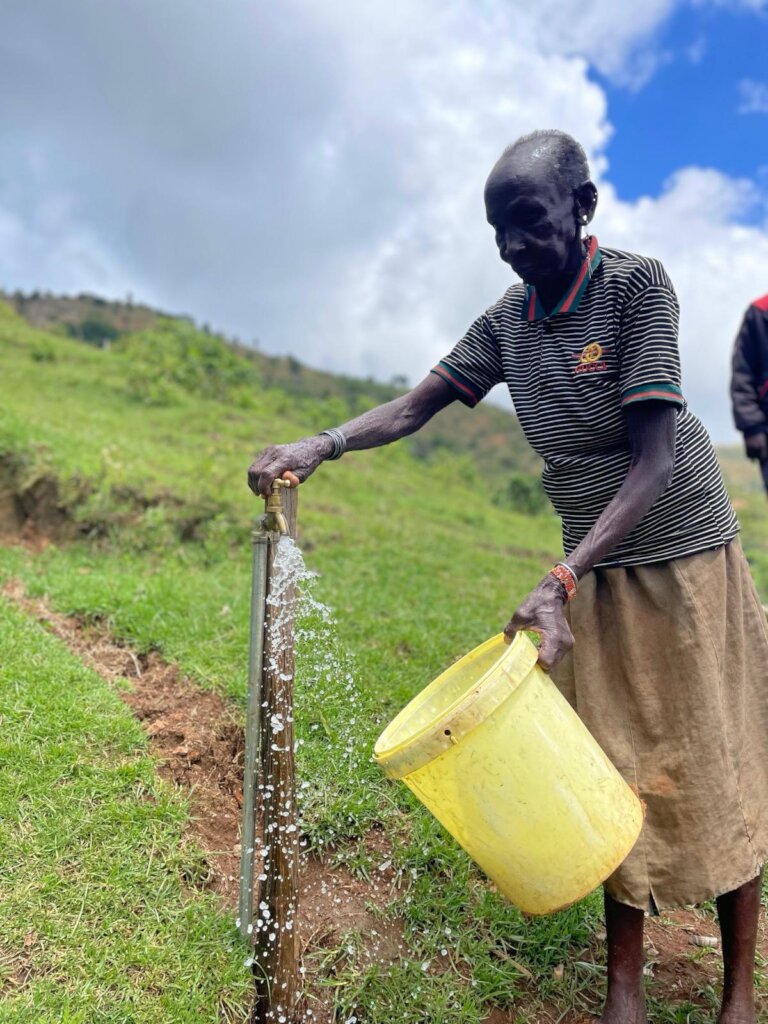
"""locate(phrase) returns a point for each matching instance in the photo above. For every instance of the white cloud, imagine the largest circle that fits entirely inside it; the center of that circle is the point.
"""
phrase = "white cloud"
(717, 264)
(312, 172)
(751, 6)
(753, 97)
(421, 278)
(697, 51)
(49, 251)
(618, 39)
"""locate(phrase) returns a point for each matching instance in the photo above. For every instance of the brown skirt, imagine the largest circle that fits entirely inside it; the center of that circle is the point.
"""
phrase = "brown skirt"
(670, 674)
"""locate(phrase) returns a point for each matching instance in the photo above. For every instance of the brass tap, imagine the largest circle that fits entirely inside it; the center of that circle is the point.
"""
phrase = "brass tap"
(275, 517)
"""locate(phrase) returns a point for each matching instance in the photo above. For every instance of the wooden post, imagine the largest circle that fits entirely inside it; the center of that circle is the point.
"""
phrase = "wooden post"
(275, 961)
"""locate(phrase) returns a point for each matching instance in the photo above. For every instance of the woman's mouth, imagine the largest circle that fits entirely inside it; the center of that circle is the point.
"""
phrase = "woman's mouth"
(522, 268)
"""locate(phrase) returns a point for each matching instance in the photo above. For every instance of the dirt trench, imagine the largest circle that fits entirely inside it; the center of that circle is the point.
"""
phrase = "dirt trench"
(39, 508)
(32, 513)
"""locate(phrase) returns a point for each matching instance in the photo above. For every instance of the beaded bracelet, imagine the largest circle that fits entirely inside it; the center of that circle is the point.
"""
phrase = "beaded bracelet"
(339, 442)
(565, 574)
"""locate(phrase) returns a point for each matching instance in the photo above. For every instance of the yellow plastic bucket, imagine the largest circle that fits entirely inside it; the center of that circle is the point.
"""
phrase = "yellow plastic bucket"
(500, 758)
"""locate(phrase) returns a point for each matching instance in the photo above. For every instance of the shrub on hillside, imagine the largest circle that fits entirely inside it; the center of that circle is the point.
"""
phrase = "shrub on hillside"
(95, 330)
(173, 359)
(524, 493)
(43, 351)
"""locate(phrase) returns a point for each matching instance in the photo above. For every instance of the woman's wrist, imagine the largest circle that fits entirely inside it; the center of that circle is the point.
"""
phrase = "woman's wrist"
(325, 446)
(551, 582)
(337, 440)
(566, 578)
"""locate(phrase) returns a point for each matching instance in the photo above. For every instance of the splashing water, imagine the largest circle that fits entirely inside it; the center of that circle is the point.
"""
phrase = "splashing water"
(329, 709)
(328, 700)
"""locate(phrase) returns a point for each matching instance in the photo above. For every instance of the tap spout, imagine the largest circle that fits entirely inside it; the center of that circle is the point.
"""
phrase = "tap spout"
(275, 516)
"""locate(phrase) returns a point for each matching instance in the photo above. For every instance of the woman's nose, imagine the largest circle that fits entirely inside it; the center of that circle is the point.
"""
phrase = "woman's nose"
(509, 245)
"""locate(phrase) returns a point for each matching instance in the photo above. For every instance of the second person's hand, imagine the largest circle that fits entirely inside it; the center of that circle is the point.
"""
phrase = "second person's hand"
(756, 446)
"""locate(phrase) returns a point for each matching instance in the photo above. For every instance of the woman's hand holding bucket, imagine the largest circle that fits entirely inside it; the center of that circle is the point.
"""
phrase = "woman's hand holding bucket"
(543, 612)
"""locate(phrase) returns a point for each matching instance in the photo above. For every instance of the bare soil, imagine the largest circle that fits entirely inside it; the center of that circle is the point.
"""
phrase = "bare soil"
(17, 965)
(30, 515)
(47, 311)
(34, 512)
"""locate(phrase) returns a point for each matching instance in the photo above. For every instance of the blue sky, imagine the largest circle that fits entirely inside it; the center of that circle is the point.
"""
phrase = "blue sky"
(687, 112)
(310, 173)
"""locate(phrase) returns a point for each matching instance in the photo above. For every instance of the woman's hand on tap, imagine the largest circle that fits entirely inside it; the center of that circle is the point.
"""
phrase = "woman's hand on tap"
(291, 462)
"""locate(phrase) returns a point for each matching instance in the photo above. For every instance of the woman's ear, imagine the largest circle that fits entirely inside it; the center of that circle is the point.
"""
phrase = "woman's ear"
(585, 202)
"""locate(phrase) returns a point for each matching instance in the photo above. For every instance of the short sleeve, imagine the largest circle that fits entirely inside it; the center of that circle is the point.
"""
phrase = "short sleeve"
(473, 367)
(649, 353)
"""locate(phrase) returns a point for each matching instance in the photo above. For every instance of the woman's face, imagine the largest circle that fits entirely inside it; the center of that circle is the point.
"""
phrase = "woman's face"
(535, 221)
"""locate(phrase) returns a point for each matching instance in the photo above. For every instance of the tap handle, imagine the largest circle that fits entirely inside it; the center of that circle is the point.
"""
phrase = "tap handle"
(287, 480)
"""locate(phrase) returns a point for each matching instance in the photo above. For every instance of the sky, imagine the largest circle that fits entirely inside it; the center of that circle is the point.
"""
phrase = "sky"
(308, 175)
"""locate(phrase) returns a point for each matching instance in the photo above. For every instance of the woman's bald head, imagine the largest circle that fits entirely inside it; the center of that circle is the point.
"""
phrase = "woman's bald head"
(548, 152)
(537, 199)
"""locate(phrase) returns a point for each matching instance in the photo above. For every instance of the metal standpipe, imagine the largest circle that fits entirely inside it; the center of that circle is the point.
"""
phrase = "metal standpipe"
(253, 730)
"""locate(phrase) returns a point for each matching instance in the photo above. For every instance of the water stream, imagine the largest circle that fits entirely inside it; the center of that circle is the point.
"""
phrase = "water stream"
(325, 686)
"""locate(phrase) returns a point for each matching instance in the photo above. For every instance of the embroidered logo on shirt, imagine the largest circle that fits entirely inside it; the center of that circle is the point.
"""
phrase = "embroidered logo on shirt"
(590, 359)
(591, 353)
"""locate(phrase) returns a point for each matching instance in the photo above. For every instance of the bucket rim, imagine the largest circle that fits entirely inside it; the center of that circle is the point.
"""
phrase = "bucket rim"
(445, 729)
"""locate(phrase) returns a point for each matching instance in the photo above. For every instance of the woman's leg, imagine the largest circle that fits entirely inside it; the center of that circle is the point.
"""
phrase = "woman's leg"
(739, 912)
(625, 1001)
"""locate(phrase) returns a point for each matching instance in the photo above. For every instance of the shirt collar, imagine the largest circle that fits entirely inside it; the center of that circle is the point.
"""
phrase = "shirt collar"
(532, 306)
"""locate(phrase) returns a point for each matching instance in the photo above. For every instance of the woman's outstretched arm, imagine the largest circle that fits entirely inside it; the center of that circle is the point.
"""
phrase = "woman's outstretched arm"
(382, 425)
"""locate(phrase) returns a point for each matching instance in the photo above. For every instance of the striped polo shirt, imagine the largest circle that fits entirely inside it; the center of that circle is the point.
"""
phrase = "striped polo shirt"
(610, 342)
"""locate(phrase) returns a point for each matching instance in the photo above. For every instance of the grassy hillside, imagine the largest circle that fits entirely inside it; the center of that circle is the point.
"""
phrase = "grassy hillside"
(745, 485)
(145, 446)
(490, 434)
(133, 459)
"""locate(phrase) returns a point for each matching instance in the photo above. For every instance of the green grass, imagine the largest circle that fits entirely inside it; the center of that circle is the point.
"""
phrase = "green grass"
(95, 922)
(419, 560)
(746, 487)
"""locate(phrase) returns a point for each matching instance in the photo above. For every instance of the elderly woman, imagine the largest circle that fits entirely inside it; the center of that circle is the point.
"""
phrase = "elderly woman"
(651, 625)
